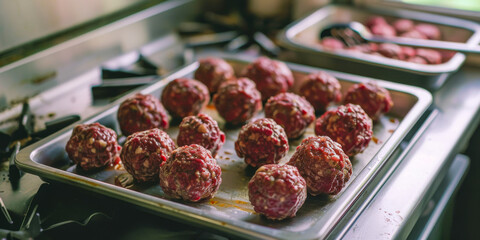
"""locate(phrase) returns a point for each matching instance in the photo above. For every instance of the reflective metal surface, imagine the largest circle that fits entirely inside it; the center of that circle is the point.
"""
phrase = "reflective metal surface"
(56, 65)
(230, 211)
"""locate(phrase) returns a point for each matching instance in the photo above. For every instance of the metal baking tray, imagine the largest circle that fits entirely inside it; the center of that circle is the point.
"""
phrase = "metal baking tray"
(230, 211)
(301, 39)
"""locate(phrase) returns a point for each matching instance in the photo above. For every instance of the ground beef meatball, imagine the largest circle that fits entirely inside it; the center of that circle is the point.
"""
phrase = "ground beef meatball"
(191, 174)
(141, 112)
(271, 77)
(430, 55)
(413, 34)
(323, 164)
(294, 113)
(277, 191)
(417, 59)
(262, 142)
(364, 48)
(430, 31)
(375, 20)
(332, 43)
(447, 55)
(373, 99)
(237, 101)
(92, 146)
(185, 97)
(391, 50)
(408, 52)
(348, 125)
(403, 25)
(384, 30)
(212, 72)
(144, 152)
(201, 130)
(320, 89)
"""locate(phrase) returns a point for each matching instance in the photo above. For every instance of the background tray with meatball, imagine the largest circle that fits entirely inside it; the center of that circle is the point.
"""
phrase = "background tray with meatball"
(301, 39)
(230, 210)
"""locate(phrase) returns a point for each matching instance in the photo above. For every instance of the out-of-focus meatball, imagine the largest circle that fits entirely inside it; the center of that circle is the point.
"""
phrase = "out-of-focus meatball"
(277, 191)
(384, 30)
(364, 48)
(375, 20)
(430, 55)
(391, 50)
(348, 125)
(261, 142)
(271, 77)
(323, 164)
(185, 97)
(431, 31)
(92, 146)
(373, 99)
(408, 52)
(331, 43)
(144, 152)
(141, 112)
(447, 55)
(212, 72)
(403, 25)
(413, 34)
(417, 59)
(290, 111)
(237, 101)
(201, 130)
(321, 89)
(191, 174)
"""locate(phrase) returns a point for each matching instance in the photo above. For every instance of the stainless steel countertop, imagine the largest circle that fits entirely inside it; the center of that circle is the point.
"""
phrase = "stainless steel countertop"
(395, 208)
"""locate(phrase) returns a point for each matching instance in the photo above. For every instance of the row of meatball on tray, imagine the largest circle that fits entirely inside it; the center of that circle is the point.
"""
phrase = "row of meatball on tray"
(401, 27)
(186, 169)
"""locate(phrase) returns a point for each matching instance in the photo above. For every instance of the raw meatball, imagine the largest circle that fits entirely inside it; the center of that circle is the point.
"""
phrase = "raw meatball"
(430, 55)
(414, 34)
(348, 125)
(277, 191)
(92, 146)
(373, 99)
(403, 25)
(262, 142)
(447, 55)
(191, 174)
(290, 111)
(375, 20)
(430, 31)
(144, 152)
(332, 43)
(321, 89)
(417, 59)
(185, 97)
(271, 77)
(213, 71)
(201, 130)
(323, 164)
(408, 52)
(364, 48)
(237, 101)
(141, 112)
(384, 30)
(391, 50)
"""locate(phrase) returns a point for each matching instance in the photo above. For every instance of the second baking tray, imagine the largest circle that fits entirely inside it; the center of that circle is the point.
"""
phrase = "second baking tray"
(230, 211)
(301, 39)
